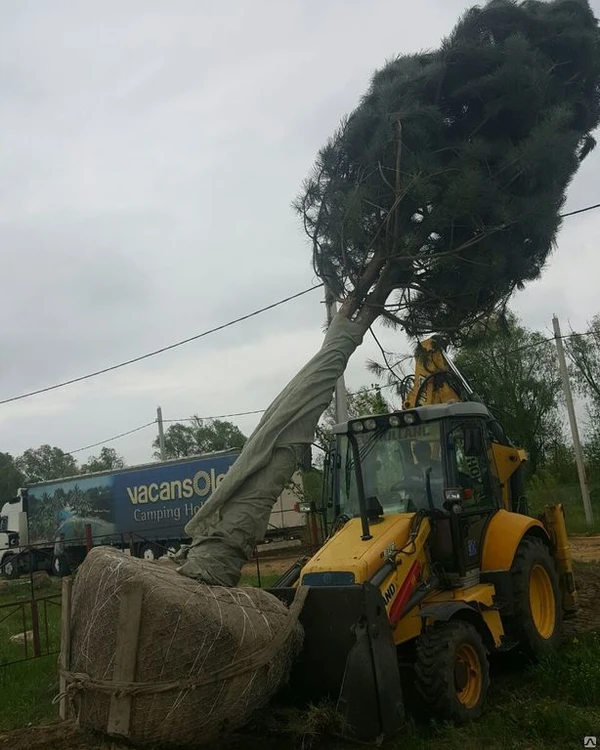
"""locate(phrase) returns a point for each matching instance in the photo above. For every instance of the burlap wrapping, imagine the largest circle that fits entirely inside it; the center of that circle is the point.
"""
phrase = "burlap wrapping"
(207, 657)
(227, 527)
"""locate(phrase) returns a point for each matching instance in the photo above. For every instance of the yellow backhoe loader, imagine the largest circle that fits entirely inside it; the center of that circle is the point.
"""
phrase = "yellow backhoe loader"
(430, 561)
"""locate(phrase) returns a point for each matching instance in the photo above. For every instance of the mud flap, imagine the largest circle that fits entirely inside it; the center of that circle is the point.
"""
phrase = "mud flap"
(349, 656)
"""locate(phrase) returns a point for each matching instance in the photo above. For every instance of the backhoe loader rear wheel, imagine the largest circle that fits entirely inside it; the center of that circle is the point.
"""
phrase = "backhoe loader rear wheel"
(452, 671)
(537, 620)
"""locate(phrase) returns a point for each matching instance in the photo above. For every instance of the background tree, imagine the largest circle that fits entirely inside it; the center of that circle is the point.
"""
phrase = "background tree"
(200, 436)
(446, 182)
(107, 459)
(364, 401)
(515, 372)
(584, 353)
(10, 478)
(46, 462)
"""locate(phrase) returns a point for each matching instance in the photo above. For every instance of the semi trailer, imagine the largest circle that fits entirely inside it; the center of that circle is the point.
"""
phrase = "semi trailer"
(144, 509)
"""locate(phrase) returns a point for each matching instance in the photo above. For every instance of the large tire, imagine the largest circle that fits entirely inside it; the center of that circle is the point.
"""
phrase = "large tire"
(452, 671)
(537, 620)
(151, 551)
(60, 566)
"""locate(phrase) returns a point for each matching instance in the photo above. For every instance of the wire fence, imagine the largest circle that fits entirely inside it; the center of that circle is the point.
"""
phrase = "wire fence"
(30, 595)
(29, 628)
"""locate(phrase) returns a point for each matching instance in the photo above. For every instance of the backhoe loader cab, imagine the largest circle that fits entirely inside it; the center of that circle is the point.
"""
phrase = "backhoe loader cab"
(436, 461)
(425, 563)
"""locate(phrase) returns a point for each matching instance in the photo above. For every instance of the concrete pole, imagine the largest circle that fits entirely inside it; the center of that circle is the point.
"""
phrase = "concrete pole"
(341, 395)
(585, 493)
(161, 434)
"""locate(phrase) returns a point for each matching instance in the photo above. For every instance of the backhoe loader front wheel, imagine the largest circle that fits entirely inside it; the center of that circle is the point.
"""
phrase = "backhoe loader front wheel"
(537, 620)
(452, 671)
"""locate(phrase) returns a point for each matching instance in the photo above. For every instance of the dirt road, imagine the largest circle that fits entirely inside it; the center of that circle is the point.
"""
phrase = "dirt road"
(585, 548)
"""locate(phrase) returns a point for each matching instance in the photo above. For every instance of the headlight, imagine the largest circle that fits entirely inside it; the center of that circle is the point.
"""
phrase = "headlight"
(394, 421)
(357, 426)
(370, 424)
(410, 418)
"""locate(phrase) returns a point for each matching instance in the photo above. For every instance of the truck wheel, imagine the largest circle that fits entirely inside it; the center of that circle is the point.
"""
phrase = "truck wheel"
(452, 671)
(537, 619)
(9, 568)
(60, 566)
(151, 551)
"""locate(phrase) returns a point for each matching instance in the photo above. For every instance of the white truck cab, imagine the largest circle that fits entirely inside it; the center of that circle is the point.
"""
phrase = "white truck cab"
(13, 534)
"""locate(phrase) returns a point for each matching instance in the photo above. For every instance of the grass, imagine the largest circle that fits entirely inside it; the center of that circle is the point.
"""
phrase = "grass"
(266, 580)
(28, 688)
(570, 497)
(549, 706)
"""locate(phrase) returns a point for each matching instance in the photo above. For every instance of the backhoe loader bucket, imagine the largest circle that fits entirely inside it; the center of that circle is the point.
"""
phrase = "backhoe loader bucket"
(349, 656)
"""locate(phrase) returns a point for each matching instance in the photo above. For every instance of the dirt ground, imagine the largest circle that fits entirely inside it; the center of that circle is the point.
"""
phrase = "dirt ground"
(586, 548)
(272, 565)
(66, 736)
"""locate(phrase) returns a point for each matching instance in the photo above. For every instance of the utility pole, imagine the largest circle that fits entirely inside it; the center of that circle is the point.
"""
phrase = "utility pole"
(341, 395)
(161, 434)
(585, 493)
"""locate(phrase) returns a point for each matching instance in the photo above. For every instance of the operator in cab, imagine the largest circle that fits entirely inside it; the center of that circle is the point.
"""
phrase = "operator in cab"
(424, 460)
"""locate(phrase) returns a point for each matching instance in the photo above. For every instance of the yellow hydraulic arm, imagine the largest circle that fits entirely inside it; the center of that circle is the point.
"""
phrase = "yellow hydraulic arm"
(436, 378)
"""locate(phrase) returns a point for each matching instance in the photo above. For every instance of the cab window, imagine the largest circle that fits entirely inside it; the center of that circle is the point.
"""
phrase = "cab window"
(470, 465)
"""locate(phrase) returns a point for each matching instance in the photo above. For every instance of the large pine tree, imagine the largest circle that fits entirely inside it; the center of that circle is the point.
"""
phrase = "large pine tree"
(447, 181)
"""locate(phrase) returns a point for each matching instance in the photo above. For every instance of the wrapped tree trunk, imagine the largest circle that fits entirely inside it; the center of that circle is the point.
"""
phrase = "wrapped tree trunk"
(226, 529)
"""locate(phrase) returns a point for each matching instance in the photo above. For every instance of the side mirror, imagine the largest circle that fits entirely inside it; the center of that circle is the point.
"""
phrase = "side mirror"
(374, 508)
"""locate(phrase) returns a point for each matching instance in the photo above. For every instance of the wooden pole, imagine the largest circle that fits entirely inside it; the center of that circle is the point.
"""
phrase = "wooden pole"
(585, 493)
(161, 434)
(64, 659)
(128, 628)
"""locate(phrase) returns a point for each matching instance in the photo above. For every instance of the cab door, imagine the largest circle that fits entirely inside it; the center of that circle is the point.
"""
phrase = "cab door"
(471, 471)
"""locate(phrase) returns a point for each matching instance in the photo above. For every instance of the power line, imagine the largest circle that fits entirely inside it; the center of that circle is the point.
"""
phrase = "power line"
(186, 419)
(161, 350)
(580, 211)
(218, 416)
(114, 437)
(350, 393)
(177, 344)
(546, 340)
(149, 424)
(532, 345)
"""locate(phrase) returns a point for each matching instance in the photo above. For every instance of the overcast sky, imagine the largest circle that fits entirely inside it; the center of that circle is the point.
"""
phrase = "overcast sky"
(149, 155)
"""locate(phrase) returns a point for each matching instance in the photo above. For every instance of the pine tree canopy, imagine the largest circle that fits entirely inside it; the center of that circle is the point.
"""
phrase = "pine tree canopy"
(446, 183)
